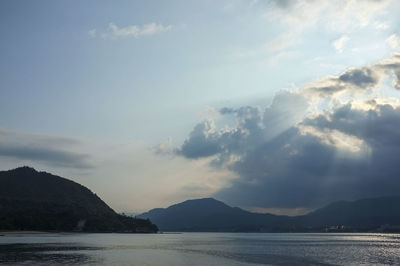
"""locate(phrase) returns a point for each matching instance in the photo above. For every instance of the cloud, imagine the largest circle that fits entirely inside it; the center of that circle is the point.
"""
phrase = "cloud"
(353, 80)
(393, 41)
(356, 80)
(391, 67)
(340, 43)
(253, 126)
(346, 154)
(295, 19)
(335, 16)
(165, 148)
(380, 25)
(362, 77)
(205, 140)
(201, 142)
(54, 151)
(92, 33)
(281, 42)
(308, 147)
(114, 31)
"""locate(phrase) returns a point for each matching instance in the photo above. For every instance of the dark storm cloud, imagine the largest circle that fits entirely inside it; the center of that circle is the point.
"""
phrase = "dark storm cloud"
(285, 157)
(202, 142)
(376, 126)
(49, 150)
(297, 169)
(252, 127)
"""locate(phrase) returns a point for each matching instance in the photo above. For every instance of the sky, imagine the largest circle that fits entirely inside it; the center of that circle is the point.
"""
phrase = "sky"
(273, 106)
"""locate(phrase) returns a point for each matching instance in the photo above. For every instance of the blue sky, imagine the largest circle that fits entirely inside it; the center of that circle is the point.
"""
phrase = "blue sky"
(108, 84)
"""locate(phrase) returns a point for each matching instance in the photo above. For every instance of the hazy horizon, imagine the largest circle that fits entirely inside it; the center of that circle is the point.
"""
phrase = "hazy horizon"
(271, 106)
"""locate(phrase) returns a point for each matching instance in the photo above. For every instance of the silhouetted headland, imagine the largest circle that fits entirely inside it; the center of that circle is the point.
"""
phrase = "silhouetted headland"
(32, 200)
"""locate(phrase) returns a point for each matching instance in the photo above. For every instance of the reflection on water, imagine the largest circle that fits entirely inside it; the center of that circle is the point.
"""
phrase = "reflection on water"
(45, 253)
(199, 249)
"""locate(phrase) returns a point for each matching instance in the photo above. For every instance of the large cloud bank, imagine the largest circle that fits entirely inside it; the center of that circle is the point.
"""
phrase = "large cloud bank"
(337, 138)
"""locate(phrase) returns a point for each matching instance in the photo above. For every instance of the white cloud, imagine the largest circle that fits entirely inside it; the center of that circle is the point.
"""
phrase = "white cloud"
(335, 15)
(394, 41)
(164, 148)
(363, 11)
(153, 28)
(380, 25)
(300, 17)
(92, 33)
(276, 49)
(281, 42)
(340, 43)
(114, 31)
(336, 138)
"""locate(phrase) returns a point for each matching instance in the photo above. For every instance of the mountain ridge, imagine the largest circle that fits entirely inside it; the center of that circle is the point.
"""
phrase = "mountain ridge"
(360, 215)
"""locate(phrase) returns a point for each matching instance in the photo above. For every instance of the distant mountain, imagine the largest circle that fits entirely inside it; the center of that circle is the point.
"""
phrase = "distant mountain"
(32, 200)
(211, 215)
(364, 213)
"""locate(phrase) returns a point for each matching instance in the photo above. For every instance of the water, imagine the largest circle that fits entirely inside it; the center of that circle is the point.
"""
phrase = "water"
(199, 249)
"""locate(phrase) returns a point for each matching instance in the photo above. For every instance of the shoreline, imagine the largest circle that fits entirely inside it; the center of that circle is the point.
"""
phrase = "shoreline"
(32, 233)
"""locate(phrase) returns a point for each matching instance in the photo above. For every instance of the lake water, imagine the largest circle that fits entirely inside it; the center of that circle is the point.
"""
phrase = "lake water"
(200, 249)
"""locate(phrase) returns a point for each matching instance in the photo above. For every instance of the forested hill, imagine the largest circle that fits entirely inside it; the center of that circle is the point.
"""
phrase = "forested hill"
(32, 200)
(365, 215)
(211, 215)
